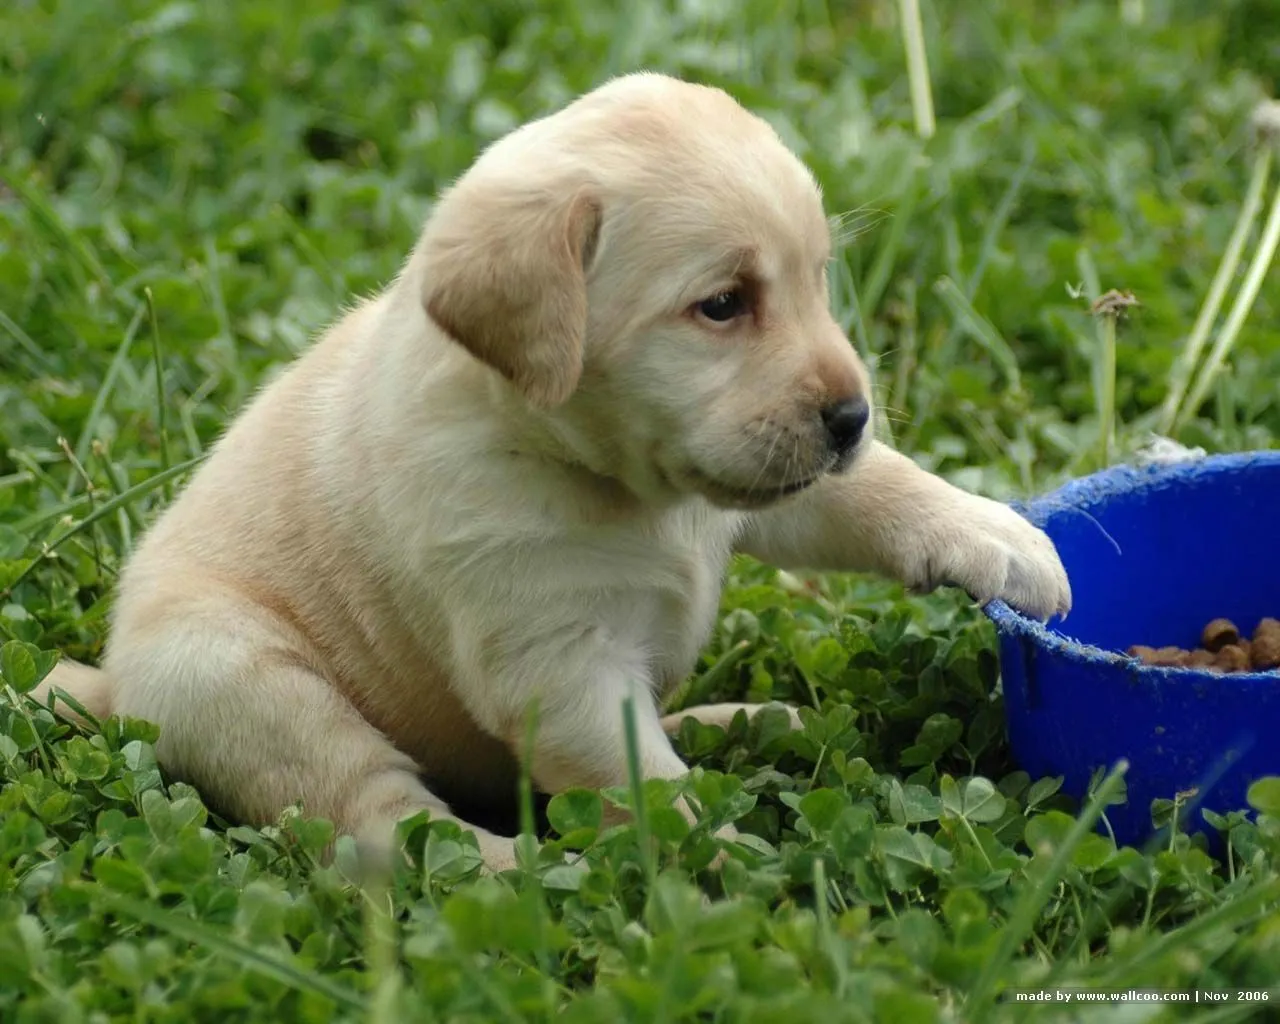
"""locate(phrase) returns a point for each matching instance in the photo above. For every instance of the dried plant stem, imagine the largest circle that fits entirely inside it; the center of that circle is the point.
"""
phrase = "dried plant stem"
(1240, 309)
(1107, 390)
(917, 67)
(1171, 411)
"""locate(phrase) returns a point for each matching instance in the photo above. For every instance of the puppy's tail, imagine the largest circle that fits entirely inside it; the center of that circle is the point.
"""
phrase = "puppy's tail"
(89, 687)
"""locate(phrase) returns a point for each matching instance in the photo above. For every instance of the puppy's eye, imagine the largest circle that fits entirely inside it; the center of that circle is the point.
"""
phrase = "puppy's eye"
(723, 306)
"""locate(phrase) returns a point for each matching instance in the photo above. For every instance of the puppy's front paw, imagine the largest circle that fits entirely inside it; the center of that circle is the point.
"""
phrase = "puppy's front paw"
(991, 552)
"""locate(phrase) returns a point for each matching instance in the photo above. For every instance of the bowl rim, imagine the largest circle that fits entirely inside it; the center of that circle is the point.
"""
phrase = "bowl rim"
(1089, 490)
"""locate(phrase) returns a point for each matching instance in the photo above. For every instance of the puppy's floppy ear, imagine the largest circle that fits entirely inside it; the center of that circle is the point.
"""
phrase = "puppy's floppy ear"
(505, 276)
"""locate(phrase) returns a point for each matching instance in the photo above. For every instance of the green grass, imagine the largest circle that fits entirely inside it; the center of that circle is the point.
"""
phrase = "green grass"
(187, 192)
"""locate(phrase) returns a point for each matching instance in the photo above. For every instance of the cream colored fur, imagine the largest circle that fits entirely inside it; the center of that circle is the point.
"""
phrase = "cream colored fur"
(516, 476)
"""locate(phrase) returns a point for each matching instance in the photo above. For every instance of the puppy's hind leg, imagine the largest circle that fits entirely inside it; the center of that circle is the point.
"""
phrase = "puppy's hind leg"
(721, 715)
(245, 718)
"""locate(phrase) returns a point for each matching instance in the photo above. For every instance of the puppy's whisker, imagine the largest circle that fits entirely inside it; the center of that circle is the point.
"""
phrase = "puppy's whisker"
(748, 440)
(766, 461)
(848, 226)
(857, 216)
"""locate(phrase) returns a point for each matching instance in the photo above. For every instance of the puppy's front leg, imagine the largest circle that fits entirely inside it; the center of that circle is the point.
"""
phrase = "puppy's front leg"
(888, 515)
(579, 688)
(586, 745)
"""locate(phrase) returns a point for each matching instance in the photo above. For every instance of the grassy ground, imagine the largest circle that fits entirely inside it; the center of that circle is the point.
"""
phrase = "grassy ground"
(188, 191)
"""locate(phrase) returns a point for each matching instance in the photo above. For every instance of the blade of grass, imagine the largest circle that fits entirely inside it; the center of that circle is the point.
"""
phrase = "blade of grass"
(993, 445)
(1106, 391)
(877, 279)
(27, 460)
(908, 347)
(187, 411)
(1132, 12)
(1104, 357)
(67, 240)
(1000, 219)
(16, 479)
(255, 959)
(104, 391)
(944, 352)
(27, 343)
(917, 67)
(189, 428)
(844, 297)
(317, 259)
(526, 771)
(983, 331)
(37, 520)
(160, 402)
(528, 839)
(1231, 914)
(826, 934)
(381, 953)
(219, 300)
(981, 997)
(1091, 282)
(636, 780)
(78, 468)
(107, 508)
(1180, 378)
(130, 518)
(980, 330)
(1225, 413)
(698, 689)
(1240, 309)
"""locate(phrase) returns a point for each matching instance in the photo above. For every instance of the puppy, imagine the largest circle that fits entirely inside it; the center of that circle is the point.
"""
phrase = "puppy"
(515, 478)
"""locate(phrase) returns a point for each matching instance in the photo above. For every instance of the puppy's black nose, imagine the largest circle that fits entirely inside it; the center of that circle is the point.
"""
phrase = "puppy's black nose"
(845, 422)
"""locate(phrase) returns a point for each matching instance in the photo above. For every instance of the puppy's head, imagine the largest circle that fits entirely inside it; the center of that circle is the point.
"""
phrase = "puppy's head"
(648, 268)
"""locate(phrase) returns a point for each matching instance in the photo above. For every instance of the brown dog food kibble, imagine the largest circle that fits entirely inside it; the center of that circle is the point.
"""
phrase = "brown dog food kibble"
(1218, 634)
(1201, 658)
(1265, 649)
(1223, 649)
(1232, 659)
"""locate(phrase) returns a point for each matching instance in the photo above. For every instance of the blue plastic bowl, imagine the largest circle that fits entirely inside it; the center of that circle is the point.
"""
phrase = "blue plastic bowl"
(1153, 554)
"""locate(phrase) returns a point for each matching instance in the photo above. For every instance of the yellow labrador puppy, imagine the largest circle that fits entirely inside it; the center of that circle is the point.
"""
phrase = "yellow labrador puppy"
(516, 476)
